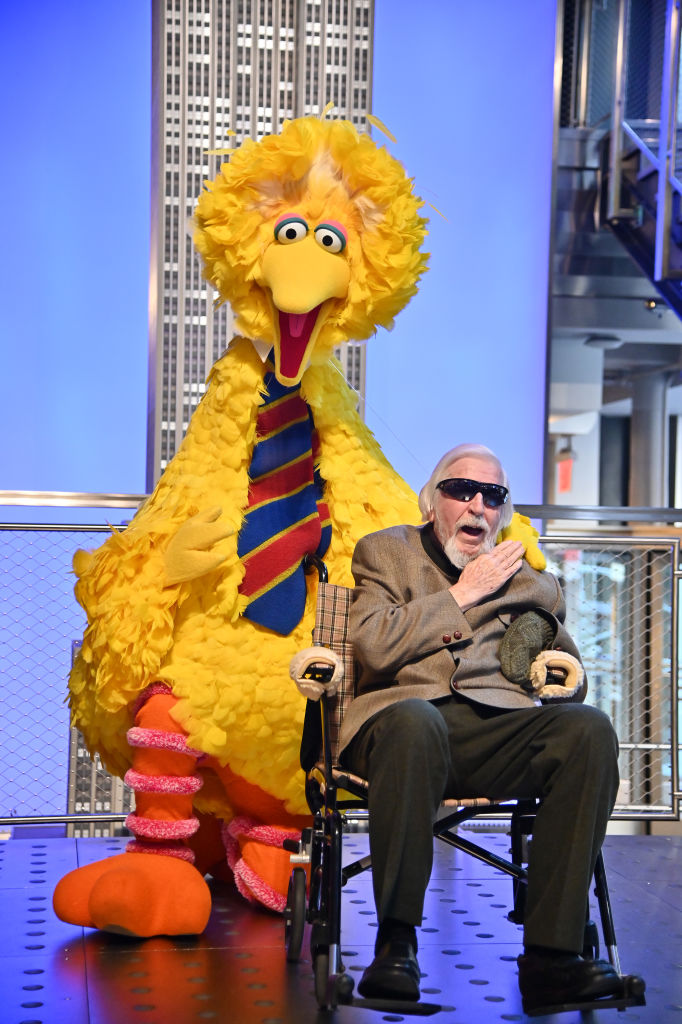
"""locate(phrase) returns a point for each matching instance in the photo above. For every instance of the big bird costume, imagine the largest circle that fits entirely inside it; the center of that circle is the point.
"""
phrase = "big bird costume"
(314, 237)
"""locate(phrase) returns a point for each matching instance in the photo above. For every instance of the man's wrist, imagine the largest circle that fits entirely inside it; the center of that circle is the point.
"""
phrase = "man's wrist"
(461, 597)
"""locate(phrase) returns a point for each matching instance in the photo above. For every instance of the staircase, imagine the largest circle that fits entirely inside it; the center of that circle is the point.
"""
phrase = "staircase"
(635, 224)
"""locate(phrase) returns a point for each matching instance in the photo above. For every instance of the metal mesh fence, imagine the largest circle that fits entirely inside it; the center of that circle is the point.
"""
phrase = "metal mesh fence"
(44, 767)
(621, 608)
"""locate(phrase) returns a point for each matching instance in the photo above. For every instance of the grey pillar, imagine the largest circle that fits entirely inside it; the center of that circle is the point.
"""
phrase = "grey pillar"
(649, 440)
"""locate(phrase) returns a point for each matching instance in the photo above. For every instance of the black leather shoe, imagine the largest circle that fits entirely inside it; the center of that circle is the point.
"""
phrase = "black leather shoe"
(393, 974)
(547, 981)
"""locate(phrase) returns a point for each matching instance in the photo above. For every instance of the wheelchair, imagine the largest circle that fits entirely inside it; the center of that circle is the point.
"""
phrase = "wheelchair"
(317, 877)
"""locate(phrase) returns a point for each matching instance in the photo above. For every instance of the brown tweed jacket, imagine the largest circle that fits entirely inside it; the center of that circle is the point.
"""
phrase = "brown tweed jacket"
(412, 640)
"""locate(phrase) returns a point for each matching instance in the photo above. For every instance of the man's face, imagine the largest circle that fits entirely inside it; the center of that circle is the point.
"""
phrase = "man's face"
(466, 528)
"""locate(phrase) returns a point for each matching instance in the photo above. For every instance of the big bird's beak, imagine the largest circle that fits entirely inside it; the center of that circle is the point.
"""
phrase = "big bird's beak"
(303, 280)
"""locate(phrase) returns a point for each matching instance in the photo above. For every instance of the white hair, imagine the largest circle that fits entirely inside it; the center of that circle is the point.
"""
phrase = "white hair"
(463, 451)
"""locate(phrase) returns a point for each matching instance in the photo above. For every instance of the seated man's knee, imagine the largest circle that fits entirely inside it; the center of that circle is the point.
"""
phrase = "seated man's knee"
(591, 730)
(406, 740)
(414, 728)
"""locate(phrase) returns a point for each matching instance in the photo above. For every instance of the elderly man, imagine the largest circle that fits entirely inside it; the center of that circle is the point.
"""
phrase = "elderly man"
(435, 716)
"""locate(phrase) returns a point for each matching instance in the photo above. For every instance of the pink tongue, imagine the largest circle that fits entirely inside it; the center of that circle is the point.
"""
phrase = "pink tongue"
(297, 324)
(294, 332)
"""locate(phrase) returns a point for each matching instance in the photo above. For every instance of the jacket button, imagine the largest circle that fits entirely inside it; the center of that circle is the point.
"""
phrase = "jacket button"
(447, 638)
(455, 686)
(458, 635)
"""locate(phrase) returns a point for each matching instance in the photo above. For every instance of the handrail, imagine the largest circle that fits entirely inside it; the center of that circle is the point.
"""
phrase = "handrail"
(63, 819)
(601, 513)
(614, 208)
(667, 142)
(71, 499)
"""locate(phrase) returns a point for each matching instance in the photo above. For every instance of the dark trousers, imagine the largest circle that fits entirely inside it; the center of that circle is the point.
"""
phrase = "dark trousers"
(416, 753)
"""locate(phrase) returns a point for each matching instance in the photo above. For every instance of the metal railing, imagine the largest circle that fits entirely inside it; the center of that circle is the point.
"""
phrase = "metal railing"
(70, 499)
(654, 136)
(622, 593)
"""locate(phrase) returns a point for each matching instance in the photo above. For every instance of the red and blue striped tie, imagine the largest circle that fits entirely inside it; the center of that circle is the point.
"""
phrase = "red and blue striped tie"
(286, 516)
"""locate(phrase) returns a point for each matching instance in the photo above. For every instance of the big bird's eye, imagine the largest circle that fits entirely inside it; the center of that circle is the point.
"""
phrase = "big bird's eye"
(331, 237)
(290, 229)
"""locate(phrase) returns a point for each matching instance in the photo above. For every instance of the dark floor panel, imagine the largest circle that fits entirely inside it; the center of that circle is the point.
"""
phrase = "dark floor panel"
(236, 972)
(160, 984)
(643, 858)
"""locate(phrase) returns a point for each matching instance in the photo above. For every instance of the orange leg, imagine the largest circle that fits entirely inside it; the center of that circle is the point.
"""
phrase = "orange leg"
(164, 781)
(139, 892)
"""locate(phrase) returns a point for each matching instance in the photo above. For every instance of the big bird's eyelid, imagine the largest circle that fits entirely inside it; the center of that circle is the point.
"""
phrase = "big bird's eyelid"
(331, 236)
(290, 228)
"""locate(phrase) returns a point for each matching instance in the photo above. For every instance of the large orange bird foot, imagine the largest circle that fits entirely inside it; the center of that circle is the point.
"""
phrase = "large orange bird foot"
(135, 894)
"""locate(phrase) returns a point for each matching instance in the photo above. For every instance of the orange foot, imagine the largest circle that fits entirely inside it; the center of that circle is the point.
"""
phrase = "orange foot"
(260, 865)
(136, 894)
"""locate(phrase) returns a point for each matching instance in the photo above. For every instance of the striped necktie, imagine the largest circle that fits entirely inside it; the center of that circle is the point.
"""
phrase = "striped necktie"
(286, 516)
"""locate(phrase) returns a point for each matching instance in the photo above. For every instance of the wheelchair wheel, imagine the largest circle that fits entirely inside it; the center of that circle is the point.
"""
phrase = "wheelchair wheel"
(330, 995)
(321, 971)
(294, 915)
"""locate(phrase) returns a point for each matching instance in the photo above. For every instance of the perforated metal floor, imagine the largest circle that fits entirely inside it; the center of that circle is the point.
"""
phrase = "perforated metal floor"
(236, 972)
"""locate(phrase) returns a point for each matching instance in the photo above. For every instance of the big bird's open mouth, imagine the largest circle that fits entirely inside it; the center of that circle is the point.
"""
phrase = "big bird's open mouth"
(295, 334)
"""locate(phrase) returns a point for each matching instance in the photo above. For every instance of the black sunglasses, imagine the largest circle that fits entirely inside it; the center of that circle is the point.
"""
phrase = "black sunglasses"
(456, 487)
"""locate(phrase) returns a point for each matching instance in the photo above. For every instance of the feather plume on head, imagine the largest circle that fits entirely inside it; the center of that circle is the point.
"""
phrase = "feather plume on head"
(321, 171)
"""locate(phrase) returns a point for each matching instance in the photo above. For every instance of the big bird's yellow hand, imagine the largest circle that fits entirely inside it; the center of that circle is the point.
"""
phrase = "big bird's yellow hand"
(521, 529)
(190, 553)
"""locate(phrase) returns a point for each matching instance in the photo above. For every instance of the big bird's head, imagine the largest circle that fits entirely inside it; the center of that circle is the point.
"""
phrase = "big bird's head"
(313, 236)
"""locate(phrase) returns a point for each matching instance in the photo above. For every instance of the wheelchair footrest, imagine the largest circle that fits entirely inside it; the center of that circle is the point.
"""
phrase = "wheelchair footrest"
(632, 995)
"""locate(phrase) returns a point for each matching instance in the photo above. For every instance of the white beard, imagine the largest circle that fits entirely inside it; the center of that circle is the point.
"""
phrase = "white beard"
(461, 558)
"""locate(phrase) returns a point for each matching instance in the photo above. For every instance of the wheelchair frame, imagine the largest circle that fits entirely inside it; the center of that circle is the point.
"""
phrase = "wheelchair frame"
(317, 871)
